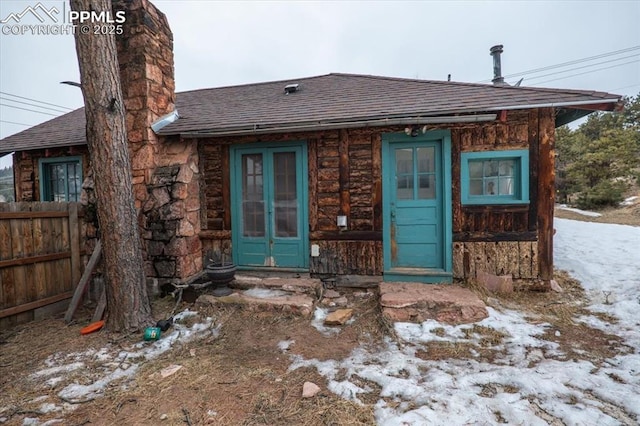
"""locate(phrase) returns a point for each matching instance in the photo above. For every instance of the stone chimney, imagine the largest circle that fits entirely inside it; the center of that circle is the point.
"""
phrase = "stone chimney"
(164, 171)
(145, 55)
(496, 51)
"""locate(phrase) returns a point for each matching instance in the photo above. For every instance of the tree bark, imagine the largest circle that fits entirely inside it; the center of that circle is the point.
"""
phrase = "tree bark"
(128, 307)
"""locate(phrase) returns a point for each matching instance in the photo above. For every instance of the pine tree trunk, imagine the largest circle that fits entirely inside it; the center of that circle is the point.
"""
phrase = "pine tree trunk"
(128, 307)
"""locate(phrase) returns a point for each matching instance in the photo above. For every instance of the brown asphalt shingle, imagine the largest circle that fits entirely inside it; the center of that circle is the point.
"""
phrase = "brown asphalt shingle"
(320, 100)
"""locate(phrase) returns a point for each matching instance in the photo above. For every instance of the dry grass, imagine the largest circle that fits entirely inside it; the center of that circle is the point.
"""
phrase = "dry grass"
(240, 377)
(628, 215)
(560, 311)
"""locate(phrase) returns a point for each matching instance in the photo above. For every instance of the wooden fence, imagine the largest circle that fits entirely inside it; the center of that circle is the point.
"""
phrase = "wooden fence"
(40, 261)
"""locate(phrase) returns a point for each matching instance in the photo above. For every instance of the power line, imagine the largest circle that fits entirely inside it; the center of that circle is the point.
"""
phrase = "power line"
(33, 105)
(19, 124)
(576, 61)
(573, 62)
(626, 87)
(35, 100)
(27, 109)
(584, 66)
(586, 72)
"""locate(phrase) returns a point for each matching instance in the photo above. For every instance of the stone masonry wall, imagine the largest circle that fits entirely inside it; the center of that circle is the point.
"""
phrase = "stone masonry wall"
(164, 171)
(172, 215)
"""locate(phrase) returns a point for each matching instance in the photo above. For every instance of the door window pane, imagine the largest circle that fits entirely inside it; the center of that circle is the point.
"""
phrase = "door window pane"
(426, 160)
(426, 173)
(252, 196)
(427, 188)
(404, 174)
(285, 194)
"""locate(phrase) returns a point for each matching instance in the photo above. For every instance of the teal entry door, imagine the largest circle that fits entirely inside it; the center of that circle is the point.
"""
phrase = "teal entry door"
(269, 206)
(417, 213)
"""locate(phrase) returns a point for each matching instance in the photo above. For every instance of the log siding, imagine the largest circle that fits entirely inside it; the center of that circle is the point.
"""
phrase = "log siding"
(345, 179)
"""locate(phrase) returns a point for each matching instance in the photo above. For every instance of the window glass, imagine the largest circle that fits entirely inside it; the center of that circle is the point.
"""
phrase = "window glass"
(285, 194)
(499, 177)
(61, 180)
(404, 173)
(252, 196)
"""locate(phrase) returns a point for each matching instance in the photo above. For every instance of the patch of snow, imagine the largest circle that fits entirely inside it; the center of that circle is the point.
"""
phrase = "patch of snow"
(606, 260)
(48, 408)
(76, 393)
(184, 314)
(59, 369)
(112, 365)
(264, 293)
(582, 212)
(284, 345)
(629, 201)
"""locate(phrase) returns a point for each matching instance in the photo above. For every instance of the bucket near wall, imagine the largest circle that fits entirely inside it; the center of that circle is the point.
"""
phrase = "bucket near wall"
(152, 333)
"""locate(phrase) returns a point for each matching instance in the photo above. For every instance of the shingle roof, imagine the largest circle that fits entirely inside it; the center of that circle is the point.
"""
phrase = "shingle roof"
(66, 130)
(323, 99)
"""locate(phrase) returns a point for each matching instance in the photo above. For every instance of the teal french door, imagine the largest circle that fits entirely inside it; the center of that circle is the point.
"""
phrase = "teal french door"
(417, 207)
(269, 206)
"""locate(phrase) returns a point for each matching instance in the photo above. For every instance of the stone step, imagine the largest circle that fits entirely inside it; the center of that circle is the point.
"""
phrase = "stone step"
(263, 299)
(415, 302)
(296, 283)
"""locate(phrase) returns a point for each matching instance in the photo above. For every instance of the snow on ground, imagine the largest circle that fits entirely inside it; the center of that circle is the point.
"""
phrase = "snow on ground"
(629, 201)
(531, 382)
(113, 364)
(582, 212)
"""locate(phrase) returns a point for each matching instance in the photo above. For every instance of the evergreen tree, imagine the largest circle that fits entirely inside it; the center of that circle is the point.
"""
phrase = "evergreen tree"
(600, 160)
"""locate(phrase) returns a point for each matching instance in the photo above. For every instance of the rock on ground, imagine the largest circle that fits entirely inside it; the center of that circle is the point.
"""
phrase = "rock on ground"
(338, 317)
(309, 390)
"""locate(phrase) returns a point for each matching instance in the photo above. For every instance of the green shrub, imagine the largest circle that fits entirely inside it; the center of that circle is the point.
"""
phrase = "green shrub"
(603, 194)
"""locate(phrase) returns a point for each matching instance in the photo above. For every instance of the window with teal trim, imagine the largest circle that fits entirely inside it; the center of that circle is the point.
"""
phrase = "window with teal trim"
(60, 179)
(495, 177)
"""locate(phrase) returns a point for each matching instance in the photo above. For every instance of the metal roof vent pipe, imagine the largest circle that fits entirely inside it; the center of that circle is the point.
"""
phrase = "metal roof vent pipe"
(498, 80)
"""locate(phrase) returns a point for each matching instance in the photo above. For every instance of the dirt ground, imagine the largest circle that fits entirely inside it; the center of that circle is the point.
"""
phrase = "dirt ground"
(241, 376)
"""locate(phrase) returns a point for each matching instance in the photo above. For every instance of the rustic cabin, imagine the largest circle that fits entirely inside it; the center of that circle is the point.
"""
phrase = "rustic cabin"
(339, 175)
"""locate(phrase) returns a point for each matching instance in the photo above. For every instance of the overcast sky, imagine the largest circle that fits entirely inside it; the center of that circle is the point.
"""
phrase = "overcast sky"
(227, 43)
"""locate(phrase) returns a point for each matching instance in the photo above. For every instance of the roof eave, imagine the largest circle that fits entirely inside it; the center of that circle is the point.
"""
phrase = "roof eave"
(333, 125)
(611, 104)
